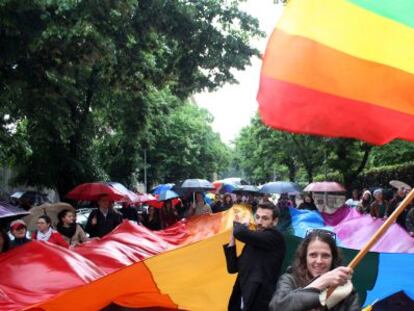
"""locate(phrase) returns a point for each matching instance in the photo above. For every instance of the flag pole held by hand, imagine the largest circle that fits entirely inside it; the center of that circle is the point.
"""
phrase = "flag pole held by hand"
(380, 232)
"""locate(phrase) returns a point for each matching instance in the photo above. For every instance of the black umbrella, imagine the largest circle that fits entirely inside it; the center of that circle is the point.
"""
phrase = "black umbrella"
(246, 189)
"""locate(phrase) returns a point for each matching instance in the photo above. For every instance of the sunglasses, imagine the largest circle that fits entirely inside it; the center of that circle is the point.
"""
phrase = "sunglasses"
(321, 232)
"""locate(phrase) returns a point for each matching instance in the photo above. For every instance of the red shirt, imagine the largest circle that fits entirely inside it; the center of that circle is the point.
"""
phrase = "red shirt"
(55, 238)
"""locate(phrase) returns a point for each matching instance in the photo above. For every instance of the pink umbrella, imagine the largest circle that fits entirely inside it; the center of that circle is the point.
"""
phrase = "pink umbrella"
(324, 186)
(146, 197)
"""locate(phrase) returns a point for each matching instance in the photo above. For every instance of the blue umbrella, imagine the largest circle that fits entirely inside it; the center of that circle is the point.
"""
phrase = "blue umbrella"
(228, 188)
(167, 195)
(280, 187)
(161, 188)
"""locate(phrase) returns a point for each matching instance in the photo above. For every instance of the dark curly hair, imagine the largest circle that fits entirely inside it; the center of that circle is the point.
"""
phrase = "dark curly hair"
(6, 242)
(299, 268)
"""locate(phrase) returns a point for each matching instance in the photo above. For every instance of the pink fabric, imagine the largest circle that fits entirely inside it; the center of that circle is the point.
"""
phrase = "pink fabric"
(341, 214)
(355, 232)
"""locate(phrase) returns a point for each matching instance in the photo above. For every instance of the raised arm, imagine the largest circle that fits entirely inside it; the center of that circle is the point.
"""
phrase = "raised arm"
(266, 239)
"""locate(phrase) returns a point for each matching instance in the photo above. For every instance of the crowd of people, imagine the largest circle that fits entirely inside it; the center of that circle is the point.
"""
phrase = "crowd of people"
(376, 205)
(317, 266)
(260, 284)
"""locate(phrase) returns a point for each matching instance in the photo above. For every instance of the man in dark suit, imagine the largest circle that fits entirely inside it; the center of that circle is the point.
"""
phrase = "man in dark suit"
(104, 219)
(260, 262)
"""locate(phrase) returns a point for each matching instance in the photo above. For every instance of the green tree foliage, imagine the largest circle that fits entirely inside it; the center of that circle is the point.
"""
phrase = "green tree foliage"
(187, 147)
(264, 152)
(83, 82)
(396, 152)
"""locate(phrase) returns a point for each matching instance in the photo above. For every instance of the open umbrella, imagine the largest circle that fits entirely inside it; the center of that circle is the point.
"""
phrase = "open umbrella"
(224, 187)
(9, 212)
(246, 189)
(280, 187)
(400, 184)
(51, 210)
(167, 195)
(161, 188)
(92, 191)
(324, 186)
(235, 180)
(129, 196)
(146, 197)
(197, 185)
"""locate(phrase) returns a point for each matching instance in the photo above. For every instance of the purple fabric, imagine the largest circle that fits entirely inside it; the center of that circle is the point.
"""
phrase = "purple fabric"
(7, 210)
(356, 230)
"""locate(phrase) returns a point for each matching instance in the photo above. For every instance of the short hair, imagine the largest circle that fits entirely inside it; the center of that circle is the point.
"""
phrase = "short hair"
(272, 207)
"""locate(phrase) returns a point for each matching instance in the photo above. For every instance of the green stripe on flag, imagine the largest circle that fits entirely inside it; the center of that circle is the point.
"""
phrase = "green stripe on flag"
(401, 11)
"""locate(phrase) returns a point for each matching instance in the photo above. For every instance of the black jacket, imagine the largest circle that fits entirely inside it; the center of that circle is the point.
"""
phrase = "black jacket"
(258, 267)
(289, 297)
(18, 242)
(104, 224)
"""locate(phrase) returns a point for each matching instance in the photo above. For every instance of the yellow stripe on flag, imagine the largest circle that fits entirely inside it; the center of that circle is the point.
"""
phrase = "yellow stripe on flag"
(351, 29)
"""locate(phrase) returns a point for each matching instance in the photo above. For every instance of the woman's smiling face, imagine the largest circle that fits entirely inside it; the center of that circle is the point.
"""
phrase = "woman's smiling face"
(318, 258)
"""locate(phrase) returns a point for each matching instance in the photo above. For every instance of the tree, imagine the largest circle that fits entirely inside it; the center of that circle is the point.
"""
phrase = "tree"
(83, 79)
(396, 152)
(263, 150)
(187, 147)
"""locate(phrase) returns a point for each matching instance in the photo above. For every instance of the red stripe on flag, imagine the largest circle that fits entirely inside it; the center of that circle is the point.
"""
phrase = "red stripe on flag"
(297, 109)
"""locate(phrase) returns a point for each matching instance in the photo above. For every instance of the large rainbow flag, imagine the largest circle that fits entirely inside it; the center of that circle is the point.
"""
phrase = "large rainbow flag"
(183, 267)
(341, 68)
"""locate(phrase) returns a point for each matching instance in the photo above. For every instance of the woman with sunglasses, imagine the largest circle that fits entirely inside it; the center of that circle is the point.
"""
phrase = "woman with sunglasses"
(316, 267)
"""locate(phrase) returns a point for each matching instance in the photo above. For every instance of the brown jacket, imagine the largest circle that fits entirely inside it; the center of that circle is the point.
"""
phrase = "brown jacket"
(78, 237)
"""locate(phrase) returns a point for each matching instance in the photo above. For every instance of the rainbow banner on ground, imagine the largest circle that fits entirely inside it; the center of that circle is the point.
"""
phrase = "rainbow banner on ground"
(182, 267)
(342, 68)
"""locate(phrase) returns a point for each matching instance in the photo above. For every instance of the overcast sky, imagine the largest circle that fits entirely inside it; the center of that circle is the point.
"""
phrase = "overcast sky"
(234, 105)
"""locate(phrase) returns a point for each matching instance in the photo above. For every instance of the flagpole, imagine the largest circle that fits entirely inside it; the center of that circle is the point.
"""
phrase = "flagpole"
(380, 232)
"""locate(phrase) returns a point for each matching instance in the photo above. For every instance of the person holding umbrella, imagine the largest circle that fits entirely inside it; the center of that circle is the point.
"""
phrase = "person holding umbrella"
(104, 219)
(168, 214)
(199, 207)
(45, 232)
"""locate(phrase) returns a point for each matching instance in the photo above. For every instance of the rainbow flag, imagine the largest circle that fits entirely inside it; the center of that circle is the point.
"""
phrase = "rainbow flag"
(182, 267)
(341, 68)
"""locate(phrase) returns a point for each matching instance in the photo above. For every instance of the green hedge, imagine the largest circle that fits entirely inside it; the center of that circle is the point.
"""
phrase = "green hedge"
(377, 177)
(381, 176)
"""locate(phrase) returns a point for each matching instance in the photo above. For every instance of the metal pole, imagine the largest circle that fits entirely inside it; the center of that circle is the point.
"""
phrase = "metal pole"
(145, 170)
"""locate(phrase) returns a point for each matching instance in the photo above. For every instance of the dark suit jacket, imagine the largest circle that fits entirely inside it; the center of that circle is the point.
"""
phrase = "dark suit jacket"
(104, 224)
(258, 267)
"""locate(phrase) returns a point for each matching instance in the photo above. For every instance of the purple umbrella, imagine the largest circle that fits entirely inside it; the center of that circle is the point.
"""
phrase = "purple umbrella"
(9, 211)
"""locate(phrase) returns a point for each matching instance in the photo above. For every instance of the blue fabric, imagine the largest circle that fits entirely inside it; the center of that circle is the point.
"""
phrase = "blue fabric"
(302, 220)
(396, 272)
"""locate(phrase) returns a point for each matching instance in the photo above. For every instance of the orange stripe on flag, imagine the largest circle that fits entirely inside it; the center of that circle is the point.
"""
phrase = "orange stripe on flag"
(310, 64)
